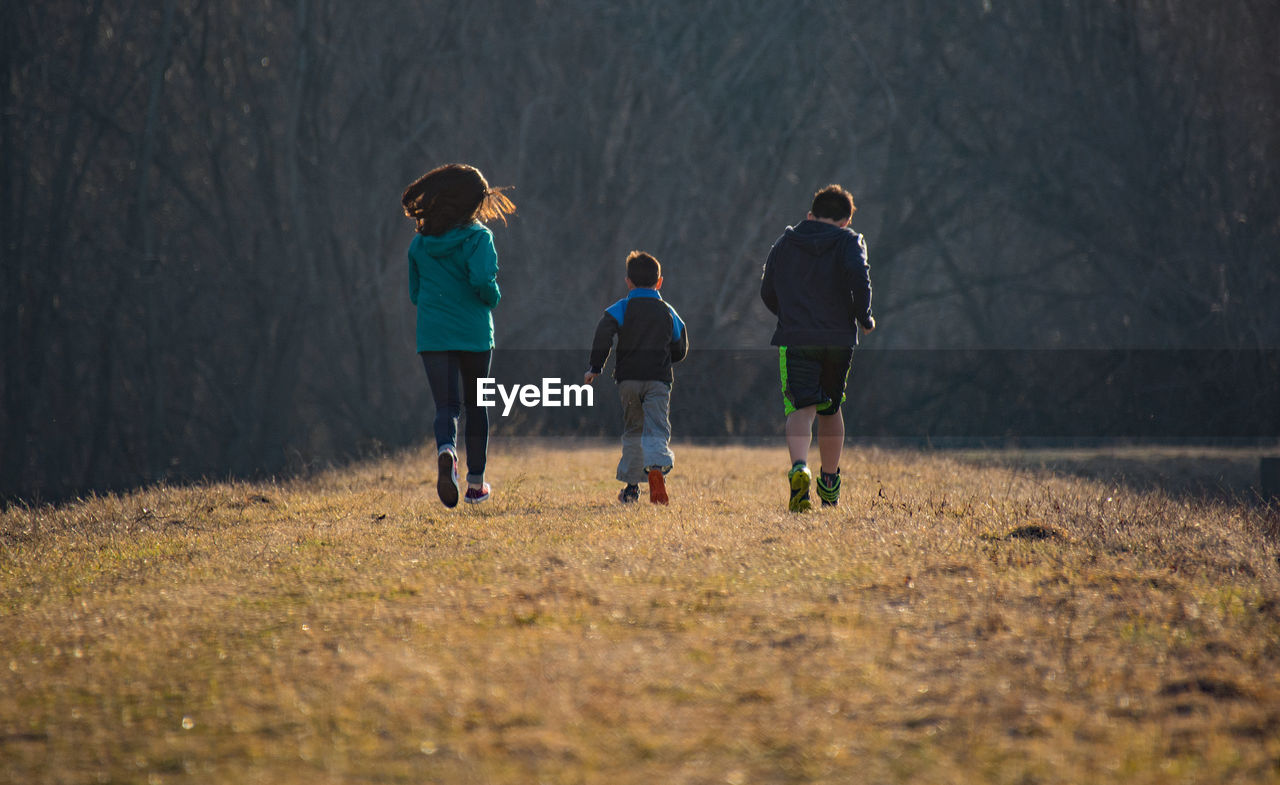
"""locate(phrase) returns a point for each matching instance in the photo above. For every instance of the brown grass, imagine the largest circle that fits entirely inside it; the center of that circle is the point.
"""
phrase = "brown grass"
(949, 623)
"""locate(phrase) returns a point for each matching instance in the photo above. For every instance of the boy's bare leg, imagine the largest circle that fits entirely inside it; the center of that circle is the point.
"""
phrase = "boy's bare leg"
(800, 432)
(831, 440)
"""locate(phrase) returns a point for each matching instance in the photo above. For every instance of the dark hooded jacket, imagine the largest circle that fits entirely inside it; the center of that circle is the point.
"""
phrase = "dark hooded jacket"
(817, 281)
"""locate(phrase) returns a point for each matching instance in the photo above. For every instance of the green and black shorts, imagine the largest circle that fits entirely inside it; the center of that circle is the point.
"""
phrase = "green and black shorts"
(814, 375)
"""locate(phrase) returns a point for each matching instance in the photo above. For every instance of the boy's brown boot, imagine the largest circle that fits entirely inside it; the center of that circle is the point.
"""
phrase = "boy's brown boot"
(657, 487)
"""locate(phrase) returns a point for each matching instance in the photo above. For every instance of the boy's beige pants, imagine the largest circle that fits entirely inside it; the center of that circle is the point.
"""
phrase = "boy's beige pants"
(646, 429)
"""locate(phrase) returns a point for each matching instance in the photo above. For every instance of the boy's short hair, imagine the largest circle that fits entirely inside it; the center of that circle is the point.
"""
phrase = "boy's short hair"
(642, 269)
(833, 203)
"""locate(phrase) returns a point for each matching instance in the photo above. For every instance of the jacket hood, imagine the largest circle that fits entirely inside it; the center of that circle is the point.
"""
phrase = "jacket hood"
(815, 237)
(450, 241)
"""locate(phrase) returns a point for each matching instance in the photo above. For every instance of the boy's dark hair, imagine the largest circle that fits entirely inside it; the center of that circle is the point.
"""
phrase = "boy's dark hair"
(833, 203)
(642, 269)
(453, 195)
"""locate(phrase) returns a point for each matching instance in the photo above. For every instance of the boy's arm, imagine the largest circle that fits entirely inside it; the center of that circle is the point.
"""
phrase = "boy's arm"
(679, 346)
(482, 270)
(767, 292)
(858, 278)
(606, 328)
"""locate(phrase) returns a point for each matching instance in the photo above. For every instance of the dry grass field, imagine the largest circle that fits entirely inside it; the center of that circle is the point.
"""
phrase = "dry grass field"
(950, 622)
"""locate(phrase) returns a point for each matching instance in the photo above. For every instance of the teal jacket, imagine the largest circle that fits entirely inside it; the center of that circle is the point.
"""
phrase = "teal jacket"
(453, 279)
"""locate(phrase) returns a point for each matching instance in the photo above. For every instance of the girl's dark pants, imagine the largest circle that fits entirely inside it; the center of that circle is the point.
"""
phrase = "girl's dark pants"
(452, 377)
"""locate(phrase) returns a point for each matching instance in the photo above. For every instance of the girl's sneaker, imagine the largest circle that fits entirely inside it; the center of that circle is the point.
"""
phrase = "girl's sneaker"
(829, 488)
(657, 486)
(798, 478)
(476, 495)
(447, 477)
(629, 494)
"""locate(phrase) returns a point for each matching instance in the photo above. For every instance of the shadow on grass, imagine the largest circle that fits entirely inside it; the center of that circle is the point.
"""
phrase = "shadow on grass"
(1204, 473)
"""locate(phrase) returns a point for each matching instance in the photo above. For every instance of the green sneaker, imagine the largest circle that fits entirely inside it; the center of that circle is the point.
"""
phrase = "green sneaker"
(829, 488)
(798, 478)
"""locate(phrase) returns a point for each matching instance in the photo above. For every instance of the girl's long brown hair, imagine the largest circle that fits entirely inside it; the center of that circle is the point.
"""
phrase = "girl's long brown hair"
(454, 195)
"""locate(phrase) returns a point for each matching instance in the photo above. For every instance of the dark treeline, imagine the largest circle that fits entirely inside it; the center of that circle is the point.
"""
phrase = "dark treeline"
(203, 255)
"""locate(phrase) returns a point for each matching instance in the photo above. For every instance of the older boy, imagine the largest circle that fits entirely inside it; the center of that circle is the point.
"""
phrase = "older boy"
(817, 282)
(651, 337)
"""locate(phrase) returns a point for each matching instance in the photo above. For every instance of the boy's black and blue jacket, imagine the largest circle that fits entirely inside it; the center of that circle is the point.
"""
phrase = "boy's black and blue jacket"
(817, 281)
(651, 337)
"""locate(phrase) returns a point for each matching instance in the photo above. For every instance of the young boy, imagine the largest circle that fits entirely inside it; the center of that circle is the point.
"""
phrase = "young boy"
(817, 282)
(651, 337)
